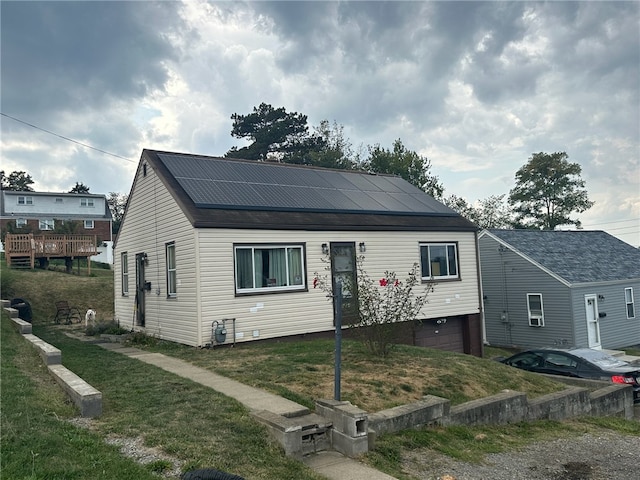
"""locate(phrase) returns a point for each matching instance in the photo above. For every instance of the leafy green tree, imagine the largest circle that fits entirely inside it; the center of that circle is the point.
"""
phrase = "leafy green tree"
(17, 181)
(490, 212)
(117, 203)
(277, 136)
(79, 188)
(334, 151)
(405, 163)
(460, 205)
(548, 190)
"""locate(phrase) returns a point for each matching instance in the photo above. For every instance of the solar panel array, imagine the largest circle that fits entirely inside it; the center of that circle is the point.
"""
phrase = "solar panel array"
(224, 183)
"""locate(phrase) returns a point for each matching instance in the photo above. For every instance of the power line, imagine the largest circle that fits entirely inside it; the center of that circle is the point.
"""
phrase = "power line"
(66, 138)
(614, 221)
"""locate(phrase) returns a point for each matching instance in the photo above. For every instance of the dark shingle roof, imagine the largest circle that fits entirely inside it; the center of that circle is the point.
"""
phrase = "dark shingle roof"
(223, 192)
(578, 256)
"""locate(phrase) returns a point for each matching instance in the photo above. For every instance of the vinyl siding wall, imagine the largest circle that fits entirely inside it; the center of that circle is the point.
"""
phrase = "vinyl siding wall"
(153, 219)
(263, 316)
(616, 330)
(205, 273)
(507, 278)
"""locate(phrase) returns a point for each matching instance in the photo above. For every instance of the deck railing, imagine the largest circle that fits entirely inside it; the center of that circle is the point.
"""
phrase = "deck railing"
(49, 246)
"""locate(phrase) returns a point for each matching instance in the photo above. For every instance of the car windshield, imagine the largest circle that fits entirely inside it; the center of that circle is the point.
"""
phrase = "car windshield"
(599, 358)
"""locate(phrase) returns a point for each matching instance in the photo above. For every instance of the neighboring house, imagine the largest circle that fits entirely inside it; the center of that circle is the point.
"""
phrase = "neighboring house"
(43, 211)
(205, 240)
(559, 288)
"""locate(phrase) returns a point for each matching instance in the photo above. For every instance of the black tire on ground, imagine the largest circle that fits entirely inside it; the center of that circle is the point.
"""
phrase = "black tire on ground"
(209, 474)
(24, 309)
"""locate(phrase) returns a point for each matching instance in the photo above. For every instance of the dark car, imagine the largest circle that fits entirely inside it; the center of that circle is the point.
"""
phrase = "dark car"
(579, 363)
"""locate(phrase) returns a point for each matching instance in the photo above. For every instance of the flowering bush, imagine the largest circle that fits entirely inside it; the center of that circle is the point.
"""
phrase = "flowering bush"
(383, 303)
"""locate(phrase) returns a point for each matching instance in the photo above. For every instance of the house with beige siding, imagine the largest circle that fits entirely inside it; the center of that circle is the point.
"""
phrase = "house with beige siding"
(218, 251)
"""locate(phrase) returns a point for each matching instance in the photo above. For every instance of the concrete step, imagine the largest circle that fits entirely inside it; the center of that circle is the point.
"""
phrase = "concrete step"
(621, 355)
(314, 434)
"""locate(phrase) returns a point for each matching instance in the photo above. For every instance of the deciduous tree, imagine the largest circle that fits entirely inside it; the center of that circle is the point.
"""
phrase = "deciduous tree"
(334, 151)
(548, 190)
(117, 203)
(405, 163)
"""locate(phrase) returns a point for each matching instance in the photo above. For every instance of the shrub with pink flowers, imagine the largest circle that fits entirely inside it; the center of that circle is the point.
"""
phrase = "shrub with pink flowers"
(384, 302)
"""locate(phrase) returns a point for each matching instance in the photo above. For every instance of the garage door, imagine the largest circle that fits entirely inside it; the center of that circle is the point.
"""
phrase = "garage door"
(446, 335)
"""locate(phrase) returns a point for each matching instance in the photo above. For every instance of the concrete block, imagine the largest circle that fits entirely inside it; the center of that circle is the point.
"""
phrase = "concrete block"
(570, 402)
(350, 446)
(22, 326)
(286, 431)
(613, 400)
(505, 407)
(429, 410)
(5, 303)
(83, 395)
(13, 312)
(50, 355)
(344, 416)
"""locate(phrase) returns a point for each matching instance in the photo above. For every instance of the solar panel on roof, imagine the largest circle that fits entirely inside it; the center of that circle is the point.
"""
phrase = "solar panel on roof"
(226, 183)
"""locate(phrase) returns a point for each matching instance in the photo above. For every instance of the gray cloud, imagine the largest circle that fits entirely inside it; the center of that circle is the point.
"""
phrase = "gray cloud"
(475, 86)
(81, 55)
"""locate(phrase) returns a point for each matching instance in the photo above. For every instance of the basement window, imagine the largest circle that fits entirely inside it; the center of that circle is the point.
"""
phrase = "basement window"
(21, 222)
(46, 224)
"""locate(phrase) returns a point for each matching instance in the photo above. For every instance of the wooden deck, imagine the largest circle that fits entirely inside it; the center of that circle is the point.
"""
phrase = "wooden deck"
(23, 249)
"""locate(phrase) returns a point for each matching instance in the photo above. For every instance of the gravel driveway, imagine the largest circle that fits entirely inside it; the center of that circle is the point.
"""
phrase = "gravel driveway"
(590, 456)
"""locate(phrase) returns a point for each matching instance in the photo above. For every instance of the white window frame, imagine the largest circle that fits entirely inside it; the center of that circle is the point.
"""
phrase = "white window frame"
(86, 202)
(628, 300)
(172, 278)
(429, 274)
(21, 222)
(89, 224)
(535, 319)
(288, 274)
(24, 200)
(47, 224)
(124, 276)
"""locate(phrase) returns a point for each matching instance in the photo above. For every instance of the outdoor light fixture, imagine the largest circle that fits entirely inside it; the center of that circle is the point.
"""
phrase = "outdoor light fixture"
(145, 258)
(601, 297)
(363, 247)
(325, 249)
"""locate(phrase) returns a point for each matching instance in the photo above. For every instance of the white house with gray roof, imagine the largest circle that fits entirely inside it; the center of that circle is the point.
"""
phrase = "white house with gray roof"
(559, 288)
(209, 241)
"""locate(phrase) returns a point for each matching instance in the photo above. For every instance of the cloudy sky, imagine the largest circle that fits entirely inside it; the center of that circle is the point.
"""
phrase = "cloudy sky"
(476, 87)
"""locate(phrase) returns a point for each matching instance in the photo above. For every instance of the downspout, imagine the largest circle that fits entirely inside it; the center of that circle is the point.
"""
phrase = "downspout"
(480, 294)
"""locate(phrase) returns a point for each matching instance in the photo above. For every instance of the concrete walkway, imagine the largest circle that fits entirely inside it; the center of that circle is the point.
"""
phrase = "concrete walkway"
(330, 464)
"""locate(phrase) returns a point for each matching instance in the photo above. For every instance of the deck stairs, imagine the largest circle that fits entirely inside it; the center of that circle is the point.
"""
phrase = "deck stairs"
(21, 263)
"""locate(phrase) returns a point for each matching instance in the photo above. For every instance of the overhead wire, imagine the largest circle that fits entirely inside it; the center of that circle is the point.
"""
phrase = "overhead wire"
(67, 138)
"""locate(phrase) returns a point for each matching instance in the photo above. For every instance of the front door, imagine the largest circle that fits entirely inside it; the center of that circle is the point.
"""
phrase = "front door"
(343, 269)
(593, 327)
(140, 290)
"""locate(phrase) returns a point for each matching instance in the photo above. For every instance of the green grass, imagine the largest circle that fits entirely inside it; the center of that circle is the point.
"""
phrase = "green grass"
(202, 428)
(192, 423)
